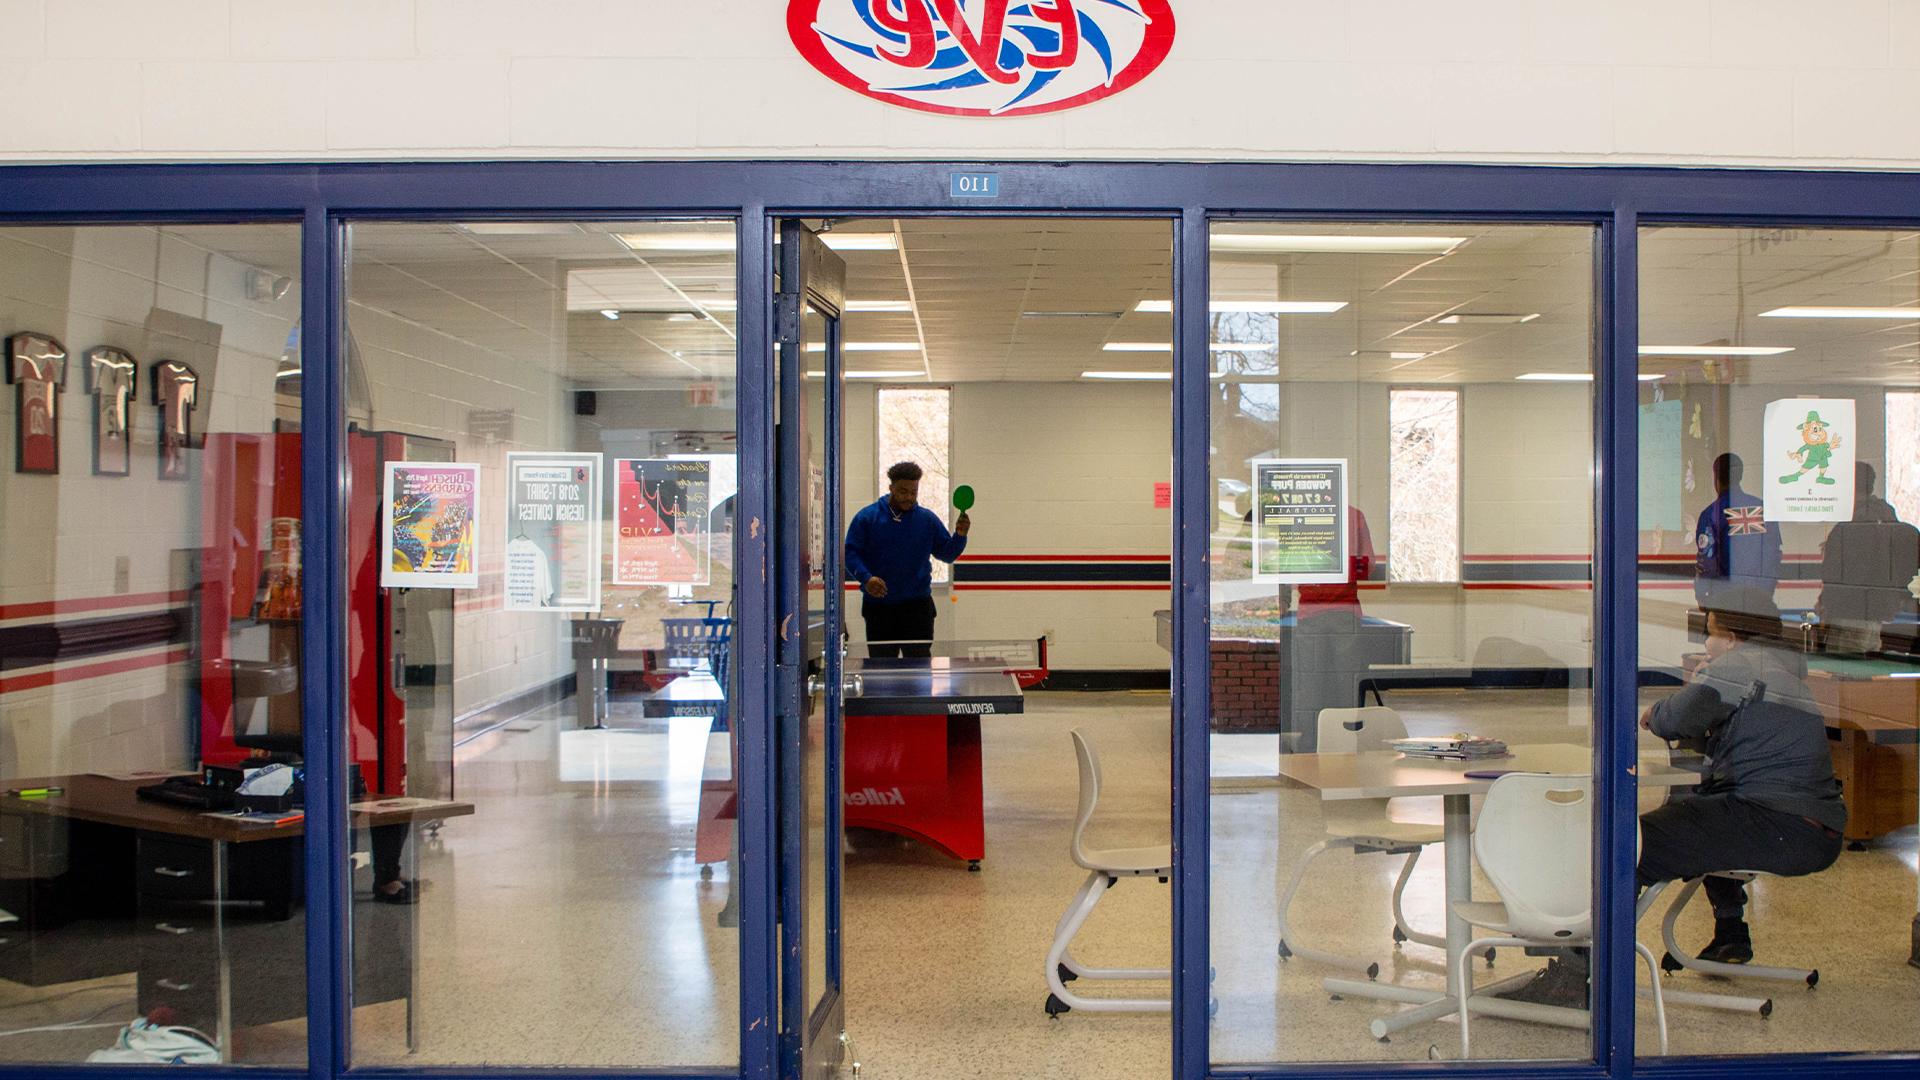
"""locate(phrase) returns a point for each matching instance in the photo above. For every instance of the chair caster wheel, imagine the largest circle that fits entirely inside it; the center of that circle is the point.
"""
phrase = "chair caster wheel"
(1335, 997)
(1766, 1009)
(1669, 965)
(1490, 953)
(1813, 978)
(1066, 974)
(1163, 881)
(1055, 1007)
(1384, 1040)
(706, 872)
(1399, 937)
(1373, 972)
(1284, 951)
(973, 866)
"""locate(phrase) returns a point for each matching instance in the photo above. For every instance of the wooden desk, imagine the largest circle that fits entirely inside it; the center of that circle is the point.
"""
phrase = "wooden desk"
(1872, 721)
(176, 895)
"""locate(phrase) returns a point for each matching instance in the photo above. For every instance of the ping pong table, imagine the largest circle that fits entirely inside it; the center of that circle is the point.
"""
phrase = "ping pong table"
(911, 761)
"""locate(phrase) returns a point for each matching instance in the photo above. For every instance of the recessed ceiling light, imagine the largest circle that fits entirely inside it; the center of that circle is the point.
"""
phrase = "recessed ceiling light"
(677, 241)
(1253, 307)
(872, 241)
(879, 305)
(868, 346)
(1332, 244)
(1842, 313)
(1138, 346)
(1460, 317)
(520, 228)
(1714, 350)
(1572, 376)
(611, 313)
(1141, 376)
(869, 374)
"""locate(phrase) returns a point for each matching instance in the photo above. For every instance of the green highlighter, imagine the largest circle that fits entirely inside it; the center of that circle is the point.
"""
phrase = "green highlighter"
(963, 502)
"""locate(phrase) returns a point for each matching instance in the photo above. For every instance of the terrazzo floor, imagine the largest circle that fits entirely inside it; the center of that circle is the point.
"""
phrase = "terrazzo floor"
(566, 922)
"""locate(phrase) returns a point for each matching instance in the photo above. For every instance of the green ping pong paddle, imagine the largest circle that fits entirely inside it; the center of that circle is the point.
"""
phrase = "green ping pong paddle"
(963, 498)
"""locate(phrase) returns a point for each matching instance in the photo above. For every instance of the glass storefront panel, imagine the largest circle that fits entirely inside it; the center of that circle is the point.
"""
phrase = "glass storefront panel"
(540, 596)
(151, 847)
(1777, 642)
(1402, 486)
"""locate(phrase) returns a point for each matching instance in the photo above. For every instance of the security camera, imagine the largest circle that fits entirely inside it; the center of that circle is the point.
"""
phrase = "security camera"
(262, 285)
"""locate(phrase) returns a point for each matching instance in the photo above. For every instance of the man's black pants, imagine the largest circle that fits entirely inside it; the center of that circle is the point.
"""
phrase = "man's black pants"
(909, 620)
(1725, 832)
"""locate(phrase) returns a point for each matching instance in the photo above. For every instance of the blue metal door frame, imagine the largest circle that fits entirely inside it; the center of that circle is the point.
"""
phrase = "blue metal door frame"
(1616, 200)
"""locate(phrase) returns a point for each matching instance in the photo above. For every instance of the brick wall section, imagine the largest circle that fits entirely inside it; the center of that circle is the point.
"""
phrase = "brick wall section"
(1246, 684)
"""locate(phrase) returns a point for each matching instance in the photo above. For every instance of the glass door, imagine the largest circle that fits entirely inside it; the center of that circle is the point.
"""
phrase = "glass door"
(807, 327)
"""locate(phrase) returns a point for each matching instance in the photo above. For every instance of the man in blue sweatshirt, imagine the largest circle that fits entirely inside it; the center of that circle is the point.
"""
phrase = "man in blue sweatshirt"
(888, 545)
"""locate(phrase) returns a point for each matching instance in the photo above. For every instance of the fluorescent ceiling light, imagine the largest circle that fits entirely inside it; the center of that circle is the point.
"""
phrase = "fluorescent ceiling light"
(1572, 376)
(870, 374)
(1458, 318)
(869, 241)
(1253, 307)
(1244, 346)
(611, 313)
(1128, 375)
(520, 228)
(1842, 313)
(879, 305)
(1138, 346)
(1353, 245)
(1714, 350)
(1389, 355)
(868, 346)
(1071, 314)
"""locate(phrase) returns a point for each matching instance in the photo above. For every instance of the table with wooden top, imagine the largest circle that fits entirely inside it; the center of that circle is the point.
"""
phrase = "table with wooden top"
(1386, 774)
(176, 895)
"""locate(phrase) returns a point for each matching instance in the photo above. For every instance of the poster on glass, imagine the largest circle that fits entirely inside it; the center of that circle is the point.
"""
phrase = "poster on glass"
(553, 532)
(1809, 447)
(430, 520)
(663, 536)
(1300, 520)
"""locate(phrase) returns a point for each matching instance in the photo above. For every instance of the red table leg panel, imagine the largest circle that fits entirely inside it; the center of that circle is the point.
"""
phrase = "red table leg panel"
(918, 776)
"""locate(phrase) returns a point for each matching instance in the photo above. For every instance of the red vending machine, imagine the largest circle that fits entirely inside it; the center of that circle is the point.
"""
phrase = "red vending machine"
(250, 607)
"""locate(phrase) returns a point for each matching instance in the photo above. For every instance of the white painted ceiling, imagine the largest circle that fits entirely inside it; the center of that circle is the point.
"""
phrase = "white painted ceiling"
(1038, 298)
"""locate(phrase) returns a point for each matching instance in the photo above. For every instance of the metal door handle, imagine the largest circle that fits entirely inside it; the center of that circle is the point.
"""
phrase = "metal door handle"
(172, 929)
(170, 984)
(168, 871)
(850, 685)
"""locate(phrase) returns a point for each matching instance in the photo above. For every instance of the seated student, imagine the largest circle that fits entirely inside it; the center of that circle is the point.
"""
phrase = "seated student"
(1770, 800)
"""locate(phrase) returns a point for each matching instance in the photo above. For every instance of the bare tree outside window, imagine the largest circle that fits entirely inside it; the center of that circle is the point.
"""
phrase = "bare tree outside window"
(1424, 485)
(1903, 454)
(915, 423)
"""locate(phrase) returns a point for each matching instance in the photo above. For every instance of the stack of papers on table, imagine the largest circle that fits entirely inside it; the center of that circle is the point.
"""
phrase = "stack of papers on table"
(1451, 747)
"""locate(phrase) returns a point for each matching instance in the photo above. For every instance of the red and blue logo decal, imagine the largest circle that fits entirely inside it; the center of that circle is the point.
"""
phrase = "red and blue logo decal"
(983, 57)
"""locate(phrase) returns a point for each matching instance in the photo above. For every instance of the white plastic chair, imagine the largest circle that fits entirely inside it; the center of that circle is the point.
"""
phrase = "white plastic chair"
(1105, 867)
(1364, 825)
(1532, 842)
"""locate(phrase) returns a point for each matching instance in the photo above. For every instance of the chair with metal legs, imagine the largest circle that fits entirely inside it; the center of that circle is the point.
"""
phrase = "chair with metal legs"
(1365, 826)
(1677, 957)
(1105, 867)
(1532, 842)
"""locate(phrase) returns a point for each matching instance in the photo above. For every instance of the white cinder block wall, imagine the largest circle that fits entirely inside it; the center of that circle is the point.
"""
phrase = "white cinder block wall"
(116, 539)
(1761, 81)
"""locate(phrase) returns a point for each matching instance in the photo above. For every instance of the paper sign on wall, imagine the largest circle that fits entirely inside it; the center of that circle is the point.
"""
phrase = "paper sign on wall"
(1809, 448)
(553, 532)
(661, 510)
(1300, 520)
(1162, 495)
(430, 519)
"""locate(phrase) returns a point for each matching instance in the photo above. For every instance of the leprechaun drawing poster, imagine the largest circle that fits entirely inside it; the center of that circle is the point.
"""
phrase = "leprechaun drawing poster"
(1809, 451)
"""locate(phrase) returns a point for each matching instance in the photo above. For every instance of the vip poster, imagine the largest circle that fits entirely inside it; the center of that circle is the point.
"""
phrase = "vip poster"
(1300, 520)
(1808, 459)
(661, 507)
(553, 532)
(430, 521)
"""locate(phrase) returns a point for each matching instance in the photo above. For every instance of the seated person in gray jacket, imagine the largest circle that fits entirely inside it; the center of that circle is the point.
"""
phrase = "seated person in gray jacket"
(1769, 801)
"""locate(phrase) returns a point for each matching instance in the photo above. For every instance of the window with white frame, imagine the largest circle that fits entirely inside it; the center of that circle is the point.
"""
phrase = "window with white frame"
(1423, 477)
(915, 423)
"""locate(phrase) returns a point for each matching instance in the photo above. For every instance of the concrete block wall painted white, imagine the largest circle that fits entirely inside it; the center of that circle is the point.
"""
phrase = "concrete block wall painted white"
(64, 537)
(1679, 81)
